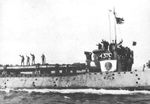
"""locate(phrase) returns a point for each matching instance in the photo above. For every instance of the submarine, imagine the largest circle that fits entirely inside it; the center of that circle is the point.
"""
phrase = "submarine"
(107, 67)
(110, 68)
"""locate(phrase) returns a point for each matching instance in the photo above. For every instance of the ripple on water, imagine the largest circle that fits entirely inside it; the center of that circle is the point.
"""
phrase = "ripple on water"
(73, 96)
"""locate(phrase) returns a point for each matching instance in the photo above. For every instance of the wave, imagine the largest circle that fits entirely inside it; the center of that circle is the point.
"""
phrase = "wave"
(85, 91)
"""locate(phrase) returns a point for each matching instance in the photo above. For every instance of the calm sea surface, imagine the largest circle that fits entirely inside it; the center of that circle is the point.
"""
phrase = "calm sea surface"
(72, 96)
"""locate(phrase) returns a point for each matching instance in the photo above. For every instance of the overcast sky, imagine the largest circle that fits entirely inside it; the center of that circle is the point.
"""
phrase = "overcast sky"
(64, 29)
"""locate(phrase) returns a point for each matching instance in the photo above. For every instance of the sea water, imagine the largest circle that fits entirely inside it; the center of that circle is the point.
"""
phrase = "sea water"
(73, 96)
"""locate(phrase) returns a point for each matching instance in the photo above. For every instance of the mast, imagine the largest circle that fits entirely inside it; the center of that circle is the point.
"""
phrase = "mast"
(115, 31)
(109, 25)
(117, 20)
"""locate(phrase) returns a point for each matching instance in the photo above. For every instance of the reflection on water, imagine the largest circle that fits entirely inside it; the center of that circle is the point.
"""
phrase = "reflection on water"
(73, 96)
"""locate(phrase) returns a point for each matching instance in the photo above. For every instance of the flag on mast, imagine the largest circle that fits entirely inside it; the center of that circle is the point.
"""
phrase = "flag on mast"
(118, 19)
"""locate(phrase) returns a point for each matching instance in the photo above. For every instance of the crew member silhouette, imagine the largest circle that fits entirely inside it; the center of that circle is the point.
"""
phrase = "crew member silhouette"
(43, 59)
(22, 59)
(105, 45)
(33, 58)
(99, 46)
(28, 60)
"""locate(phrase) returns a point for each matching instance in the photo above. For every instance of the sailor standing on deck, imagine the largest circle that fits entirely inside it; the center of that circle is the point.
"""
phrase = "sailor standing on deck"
(22, 59)
(43, 59)
(33, 58)
(28, 60)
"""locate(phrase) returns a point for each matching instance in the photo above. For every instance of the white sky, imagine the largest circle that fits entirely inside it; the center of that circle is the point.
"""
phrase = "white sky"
(64, 29)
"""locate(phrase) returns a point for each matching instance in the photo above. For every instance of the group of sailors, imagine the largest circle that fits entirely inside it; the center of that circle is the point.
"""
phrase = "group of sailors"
(33, 59)
(112, 50)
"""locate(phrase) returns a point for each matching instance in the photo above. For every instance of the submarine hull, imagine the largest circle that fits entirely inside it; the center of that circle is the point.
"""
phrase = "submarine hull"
(112, 80)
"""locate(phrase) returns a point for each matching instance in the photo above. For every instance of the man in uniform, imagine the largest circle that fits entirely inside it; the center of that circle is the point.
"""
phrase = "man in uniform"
(99, 46)
(43, 59)
(22, 59)
(88, 58)
(28, 60)
(33, 58)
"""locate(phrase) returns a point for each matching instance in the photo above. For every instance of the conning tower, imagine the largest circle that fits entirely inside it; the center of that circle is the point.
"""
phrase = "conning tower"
(111, 57)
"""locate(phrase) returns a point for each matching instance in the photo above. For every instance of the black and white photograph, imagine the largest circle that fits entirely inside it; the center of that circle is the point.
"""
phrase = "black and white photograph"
(74, 52)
